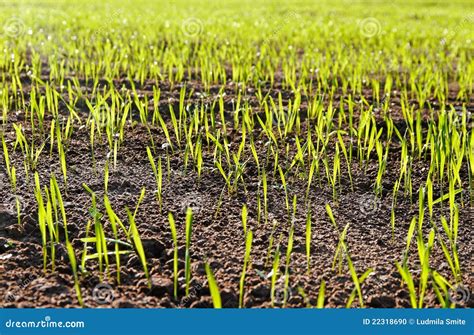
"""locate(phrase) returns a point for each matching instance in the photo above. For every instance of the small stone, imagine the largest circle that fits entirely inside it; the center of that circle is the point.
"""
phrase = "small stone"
(4, 244)
(133, 261)
(170, 264)
(203, 303)
(229, 299)
(5, 257)
(261, 291)
(199, 268)
(123, 304)
(153, 248)
(382, 301)
(166, 303)
(7, 215)
(161, 287)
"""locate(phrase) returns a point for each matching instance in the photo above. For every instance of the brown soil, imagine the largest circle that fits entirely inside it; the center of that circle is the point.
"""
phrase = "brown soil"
(218, 236)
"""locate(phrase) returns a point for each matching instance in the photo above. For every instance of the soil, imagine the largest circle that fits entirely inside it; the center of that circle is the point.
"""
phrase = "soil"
(217, 236)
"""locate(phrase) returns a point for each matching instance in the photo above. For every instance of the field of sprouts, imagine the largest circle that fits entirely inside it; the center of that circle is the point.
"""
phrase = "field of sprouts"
(241, 153)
